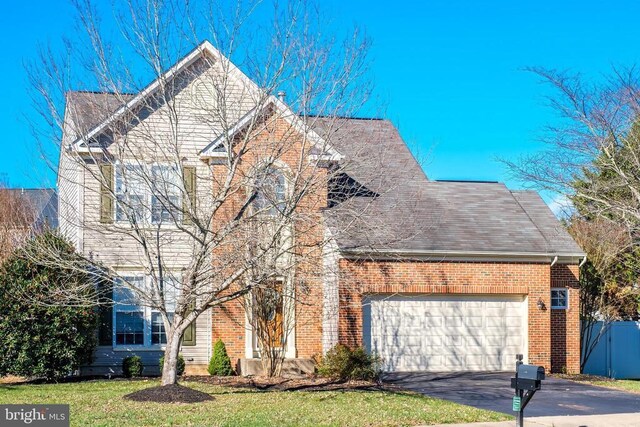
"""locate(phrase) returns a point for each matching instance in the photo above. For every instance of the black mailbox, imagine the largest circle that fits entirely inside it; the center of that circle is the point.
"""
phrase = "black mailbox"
(527, 381)
(530, 372)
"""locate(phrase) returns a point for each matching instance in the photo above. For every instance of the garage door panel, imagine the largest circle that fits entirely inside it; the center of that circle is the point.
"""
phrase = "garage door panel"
(453, 340)
(474, 361)
(474, 321)
(412, 321)
(430, 322)
(430, 362)
(455, 362)
(513, 331)
(492, 322)
(433, 341)
(446, 332)
(451, 321)
(494, 312)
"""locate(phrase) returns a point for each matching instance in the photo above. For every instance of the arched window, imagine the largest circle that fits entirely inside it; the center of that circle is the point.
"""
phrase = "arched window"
(270, 192)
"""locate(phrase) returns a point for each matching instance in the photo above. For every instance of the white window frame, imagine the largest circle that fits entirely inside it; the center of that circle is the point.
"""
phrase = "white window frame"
(131, 308)
(146, 193)
(262, 203)
(147, 316)
(119, 190)
(551, 298)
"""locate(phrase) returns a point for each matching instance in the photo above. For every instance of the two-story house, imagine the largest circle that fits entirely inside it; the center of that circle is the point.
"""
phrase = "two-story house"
(433, 275)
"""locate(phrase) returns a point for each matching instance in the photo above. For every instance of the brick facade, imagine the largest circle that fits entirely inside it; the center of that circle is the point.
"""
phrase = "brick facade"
(565, 324)
(553, 336)
(229, 321)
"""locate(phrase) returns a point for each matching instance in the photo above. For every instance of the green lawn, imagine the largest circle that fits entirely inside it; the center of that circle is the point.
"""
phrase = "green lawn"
(101, 403)
(626, 385)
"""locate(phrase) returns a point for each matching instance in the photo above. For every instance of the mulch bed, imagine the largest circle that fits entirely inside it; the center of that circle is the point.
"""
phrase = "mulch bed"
(169, 394)
(288, 384)
(581, 377)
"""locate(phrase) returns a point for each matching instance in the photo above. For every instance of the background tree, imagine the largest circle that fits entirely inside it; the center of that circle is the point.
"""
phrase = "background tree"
(41, 336)
(209, 232)
(17, 218)
(593, 158)
(607, 281)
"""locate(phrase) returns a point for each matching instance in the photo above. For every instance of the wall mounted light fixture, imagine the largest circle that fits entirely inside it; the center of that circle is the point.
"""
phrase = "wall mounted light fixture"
(541, 305)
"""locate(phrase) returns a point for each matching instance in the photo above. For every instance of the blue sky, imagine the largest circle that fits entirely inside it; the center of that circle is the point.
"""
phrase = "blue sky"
(449, 71)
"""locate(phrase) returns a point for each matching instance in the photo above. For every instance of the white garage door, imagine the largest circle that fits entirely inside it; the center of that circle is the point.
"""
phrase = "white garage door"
(446, 332)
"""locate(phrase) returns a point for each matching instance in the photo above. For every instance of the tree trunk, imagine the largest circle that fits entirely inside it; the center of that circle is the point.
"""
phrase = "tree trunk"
(169, 374)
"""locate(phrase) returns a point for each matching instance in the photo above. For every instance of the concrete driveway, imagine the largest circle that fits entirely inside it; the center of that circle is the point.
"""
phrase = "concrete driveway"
(492, 390)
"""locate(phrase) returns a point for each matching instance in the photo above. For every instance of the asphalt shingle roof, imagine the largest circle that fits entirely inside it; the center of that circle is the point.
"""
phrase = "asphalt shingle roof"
(89, 109)
(409, 212)
(412, 213)
(43, 202)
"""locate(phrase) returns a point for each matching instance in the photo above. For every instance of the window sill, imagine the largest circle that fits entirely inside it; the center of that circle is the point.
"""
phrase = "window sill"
(147, 226)
(137, 348)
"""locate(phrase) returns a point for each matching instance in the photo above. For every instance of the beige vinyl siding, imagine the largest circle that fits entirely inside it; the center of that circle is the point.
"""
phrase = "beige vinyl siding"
(200, 352)
(70, 176)
(114, 249)
(107, 360)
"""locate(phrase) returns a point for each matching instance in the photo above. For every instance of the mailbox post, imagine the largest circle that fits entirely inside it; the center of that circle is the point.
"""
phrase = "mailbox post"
(527, 381)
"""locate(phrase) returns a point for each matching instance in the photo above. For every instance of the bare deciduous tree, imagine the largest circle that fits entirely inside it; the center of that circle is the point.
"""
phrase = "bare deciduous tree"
(593, 138)
(17, 219)
(592, 157)
(204, 180)
(605, 295)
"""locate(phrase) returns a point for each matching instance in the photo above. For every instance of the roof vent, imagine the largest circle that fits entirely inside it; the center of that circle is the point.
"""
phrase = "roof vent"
(281, 95)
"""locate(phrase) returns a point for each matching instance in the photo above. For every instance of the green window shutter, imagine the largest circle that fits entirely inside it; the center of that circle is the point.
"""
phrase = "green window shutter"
(189, 202)
(105, 314)
(189, 336)
(106, 194)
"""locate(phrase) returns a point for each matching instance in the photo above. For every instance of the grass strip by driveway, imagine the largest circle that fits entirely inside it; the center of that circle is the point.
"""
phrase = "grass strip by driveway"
(625, 385)
(632, 386)
(101, 403)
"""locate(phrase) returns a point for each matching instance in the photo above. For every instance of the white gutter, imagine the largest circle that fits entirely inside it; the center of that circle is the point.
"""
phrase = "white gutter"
(419, 252)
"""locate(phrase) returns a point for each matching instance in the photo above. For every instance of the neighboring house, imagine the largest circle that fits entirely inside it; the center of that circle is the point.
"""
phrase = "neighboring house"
(456, 276)
(41, 204)
(22, 211)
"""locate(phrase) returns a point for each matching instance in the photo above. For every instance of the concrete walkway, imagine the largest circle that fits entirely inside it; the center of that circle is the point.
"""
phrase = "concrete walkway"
(609, 420)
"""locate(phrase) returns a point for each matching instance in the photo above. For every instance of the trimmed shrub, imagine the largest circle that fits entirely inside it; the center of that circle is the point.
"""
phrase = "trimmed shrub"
(220, 364)
(344, 363)
(43, 334)
(132, 367)
(180, 366)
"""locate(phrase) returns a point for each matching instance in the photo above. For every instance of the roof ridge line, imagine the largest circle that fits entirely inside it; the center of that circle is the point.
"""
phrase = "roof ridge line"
(328, 116)
(100, 92)
(549, 245)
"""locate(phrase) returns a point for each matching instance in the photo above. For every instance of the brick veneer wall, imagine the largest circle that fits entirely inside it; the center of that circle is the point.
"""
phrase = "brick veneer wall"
(359, 278)
(278, 138)
(549, 346)
(565, 324)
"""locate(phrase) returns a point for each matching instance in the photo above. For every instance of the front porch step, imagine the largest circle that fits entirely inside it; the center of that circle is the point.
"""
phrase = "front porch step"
(291, 368)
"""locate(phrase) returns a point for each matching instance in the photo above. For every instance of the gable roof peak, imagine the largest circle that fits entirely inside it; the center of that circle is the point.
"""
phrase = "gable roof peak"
(204, 48)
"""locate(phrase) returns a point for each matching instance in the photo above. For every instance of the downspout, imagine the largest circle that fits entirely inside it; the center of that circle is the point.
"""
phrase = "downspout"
(584, 260)
(555, 259)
